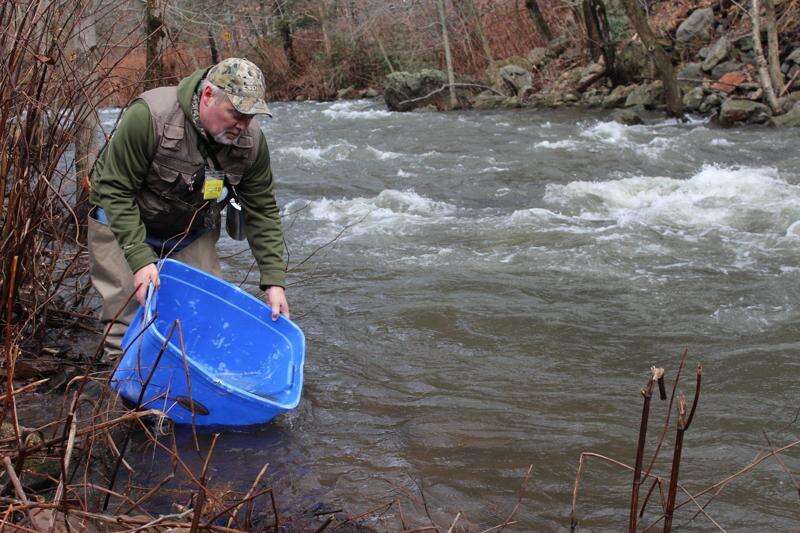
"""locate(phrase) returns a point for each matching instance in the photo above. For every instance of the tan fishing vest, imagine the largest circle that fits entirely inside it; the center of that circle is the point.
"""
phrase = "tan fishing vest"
(170, 199)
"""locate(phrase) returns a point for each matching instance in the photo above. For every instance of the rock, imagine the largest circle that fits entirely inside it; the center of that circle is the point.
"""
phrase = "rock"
(629, 117)
(794, 74)
(716, 53)
(557, 45)
(691, 71)
(724, 68)
(634, 62)
(730, 82)
(694, 99)
(572, 54)
(400, 87)
(537, 56)
(370, 93)
(593, 99)
(515, 80)
(697, 26)
(430, 108)
(489, 100)
(743, 111)
(348, 93)
(745, 44)
(299, 98)
(794, 57)
(570, 98)
(647, 96)
(790, 119)
(703, 52)
(712, 102)
(618, 96)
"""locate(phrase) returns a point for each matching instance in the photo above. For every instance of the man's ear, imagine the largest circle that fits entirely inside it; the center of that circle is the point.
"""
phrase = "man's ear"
(206, 95)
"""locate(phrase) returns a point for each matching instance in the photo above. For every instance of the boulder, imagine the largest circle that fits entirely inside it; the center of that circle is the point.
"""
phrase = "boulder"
(730, 82)
(716, 53)
(794, 57)
(634, 62)
(703, 52)
(370, 93)
(629, 117)
(743, 111)
(570, 98)
(648, 96)
(557, 45)
(712, 102)
(691, 71)
(537, 56)
(489, 100)
(515, 80)
(572, 54)
(618, 96)
(348, 93)
(790, 119)
(401, 87)
(697, 26)
(694, 99)
(724, 68)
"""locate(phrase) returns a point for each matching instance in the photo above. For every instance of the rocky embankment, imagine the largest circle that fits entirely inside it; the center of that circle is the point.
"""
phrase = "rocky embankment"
(718, 78)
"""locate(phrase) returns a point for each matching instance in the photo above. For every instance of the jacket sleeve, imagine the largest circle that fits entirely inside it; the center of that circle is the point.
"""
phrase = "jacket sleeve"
(263, 219)
(121, 170)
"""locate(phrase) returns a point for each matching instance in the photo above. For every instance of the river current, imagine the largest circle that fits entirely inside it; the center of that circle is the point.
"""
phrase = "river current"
(487, 291)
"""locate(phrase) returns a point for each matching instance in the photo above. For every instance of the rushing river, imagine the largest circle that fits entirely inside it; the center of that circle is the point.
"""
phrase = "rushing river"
(488, 290)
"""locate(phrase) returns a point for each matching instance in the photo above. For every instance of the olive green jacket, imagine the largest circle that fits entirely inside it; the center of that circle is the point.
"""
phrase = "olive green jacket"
(125, 162)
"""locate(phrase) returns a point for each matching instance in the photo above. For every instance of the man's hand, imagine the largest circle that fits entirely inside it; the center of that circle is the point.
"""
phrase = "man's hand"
(143, 278)
(276, 298)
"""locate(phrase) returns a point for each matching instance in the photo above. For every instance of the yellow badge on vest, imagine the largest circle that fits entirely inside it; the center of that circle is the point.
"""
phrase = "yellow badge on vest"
(212, 188)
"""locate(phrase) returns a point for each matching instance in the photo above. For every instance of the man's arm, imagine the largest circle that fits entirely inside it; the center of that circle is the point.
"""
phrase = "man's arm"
(117, 177)
(263, 228)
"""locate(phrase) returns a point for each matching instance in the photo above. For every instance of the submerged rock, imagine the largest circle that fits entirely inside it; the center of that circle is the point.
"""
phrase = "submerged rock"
(697, 26)
(743, 111)
(629, 117)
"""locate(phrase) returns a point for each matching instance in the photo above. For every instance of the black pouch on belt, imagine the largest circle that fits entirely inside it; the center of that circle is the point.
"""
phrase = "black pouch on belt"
(234, 217)
(234, 214)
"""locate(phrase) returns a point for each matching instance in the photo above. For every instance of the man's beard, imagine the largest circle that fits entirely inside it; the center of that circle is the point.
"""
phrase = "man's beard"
(222, 138)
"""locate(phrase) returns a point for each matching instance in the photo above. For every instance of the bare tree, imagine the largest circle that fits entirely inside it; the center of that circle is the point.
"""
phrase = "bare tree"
(538, 19)
(761, 61)
(662, 60)
(154, 26)
(773, 47)
(447, 55)
(598, 33)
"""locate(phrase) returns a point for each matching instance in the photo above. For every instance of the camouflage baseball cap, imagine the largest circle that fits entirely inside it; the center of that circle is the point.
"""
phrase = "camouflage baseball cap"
(242, 82)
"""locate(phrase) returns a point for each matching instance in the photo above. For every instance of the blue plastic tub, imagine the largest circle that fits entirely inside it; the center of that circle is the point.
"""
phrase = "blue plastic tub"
(243, 368)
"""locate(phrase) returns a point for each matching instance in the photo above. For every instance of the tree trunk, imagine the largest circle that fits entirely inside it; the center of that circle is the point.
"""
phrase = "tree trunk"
(447, 55)
(761, 61)
(154, 69)
(598, 33)
(326, 40)
(475, 13)
(284, 27)
(538, 19)
(86, 145)
(773, 48)
(662, 60)
(212, 45)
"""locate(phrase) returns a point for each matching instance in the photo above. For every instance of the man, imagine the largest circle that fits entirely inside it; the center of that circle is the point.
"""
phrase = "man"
(159, 186)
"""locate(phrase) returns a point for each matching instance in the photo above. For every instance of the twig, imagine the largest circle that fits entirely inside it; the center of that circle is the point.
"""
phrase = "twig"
(656, 374)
